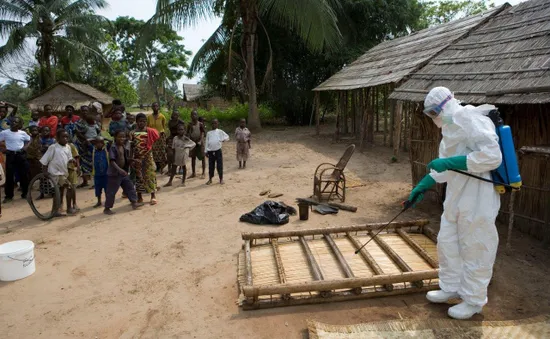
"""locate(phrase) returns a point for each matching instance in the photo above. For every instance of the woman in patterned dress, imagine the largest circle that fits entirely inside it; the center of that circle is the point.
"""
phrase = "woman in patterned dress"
(158, 122)
(143, 165)
(86, 132)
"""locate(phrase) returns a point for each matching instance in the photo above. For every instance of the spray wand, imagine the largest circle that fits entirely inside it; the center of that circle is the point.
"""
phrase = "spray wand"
(406, 205)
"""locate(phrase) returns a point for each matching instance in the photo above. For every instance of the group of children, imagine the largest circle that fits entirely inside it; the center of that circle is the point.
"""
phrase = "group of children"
(70, 146)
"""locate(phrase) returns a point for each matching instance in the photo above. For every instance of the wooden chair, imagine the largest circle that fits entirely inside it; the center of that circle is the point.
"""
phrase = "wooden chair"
(330, 181)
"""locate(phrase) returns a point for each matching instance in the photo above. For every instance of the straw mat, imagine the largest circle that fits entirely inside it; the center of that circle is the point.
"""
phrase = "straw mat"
(537, 327)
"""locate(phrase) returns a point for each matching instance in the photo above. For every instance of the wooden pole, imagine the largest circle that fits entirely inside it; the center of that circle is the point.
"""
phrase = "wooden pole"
(385, 113)
(328, 285)
(337, 297)
(392, 121)
(315, 270)
(364, 120)
(316, 103)
(368, 258)
(280, 267)
(338, 113)
(343, 263)
(397, 127)
(418, 249)
(510, 222)
(342, 229)
(403, 266)
(370, 128)
(377, 108)
(248, 260)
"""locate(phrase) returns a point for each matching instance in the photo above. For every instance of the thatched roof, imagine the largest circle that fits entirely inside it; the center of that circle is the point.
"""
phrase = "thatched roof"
(393, 60)
(192, 92)
(504, 61)
(69, 93)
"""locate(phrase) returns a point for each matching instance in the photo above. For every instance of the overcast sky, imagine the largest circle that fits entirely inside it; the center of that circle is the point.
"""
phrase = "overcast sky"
(193, 36)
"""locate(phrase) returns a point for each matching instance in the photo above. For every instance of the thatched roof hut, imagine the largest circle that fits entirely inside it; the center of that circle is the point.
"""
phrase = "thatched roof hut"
(66, 93)
(370, 79)
(195, 96)
(505, 62)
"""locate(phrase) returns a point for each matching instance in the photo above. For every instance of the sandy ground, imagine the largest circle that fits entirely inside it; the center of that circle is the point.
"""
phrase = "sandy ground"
(169, 271)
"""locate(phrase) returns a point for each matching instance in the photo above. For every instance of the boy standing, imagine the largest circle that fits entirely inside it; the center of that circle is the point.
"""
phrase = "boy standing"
(16, 160)
(100, 160)
(56, 159)
(117, 122)
(35, 116)
(181, 145)
(214, 140)
(119, 164)
(242, 135)
(196, 132)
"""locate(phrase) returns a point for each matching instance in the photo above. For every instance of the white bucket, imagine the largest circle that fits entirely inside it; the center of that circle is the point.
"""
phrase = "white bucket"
(16, 260)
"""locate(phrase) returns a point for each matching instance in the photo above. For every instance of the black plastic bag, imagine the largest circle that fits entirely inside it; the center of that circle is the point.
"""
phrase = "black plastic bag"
(269, 213)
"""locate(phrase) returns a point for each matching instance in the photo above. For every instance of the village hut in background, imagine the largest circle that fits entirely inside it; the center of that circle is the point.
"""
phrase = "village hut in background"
(196, 96)
(505, 62)
(362, 88)
(66, 93)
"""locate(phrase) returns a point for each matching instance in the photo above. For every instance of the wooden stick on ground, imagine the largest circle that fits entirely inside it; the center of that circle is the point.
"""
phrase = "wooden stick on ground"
(340, 206)
(403, 266)
(369, 259)
(418, 249)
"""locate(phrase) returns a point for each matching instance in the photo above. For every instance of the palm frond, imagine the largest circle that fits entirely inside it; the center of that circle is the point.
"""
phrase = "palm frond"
(183, 13)
(16, 44)
(75, 51)
(64, 13)
(6, 26)
(12, 10)
(315, 21)
(209, 50)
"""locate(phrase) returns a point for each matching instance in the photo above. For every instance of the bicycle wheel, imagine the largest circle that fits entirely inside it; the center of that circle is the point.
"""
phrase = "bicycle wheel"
(43, 196)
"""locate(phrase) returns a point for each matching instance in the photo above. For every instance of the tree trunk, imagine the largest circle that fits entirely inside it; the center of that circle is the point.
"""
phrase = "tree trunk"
(44, 58)
(249, 14)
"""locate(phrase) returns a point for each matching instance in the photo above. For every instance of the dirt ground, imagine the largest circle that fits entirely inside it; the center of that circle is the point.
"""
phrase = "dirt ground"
(169, 271)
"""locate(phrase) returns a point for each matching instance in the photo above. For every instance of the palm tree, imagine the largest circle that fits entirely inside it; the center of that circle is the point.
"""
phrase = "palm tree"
(314, 21)
(66, 33)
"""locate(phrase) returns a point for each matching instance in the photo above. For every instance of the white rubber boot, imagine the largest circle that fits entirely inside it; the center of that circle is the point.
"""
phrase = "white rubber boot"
(463, 311)
(440, 296)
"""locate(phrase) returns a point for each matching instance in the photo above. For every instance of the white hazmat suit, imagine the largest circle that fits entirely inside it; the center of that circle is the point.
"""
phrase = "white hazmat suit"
(468, 240)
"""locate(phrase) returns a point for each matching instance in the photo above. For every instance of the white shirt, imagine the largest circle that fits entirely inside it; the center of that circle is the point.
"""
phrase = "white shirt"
(57, 158)
(214, 140)
(15, 141)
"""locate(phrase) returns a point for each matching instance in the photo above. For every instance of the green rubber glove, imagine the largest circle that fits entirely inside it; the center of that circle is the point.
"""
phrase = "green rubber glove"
(444, 164)
(417, 194)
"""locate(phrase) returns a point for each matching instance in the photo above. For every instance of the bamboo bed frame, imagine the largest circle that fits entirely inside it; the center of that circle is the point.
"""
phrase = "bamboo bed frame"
(319, 265)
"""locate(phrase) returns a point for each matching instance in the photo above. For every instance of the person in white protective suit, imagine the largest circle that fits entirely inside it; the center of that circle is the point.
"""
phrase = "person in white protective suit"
(468, 240)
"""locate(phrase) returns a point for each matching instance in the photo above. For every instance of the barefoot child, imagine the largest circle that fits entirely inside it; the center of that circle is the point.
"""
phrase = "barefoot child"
(173, 125)
(196, 132)
(214, 140)
(56, 159)
(242, 135)
(119, 165)
(181, 146)
(74, 171)
(100, 160)
(143, 164)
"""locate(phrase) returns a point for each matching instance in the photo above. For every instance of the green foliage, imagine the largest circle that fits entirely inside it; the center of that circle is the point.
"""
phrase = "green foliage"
(16, 94)
(439, 12)
(67, 33)
(160, 58)
(231, 115)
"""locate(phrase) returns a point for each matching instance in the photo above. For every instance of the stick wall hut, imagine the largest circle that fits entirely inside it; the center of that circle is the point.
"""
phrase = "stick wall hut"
(505, 62)
(361, 89)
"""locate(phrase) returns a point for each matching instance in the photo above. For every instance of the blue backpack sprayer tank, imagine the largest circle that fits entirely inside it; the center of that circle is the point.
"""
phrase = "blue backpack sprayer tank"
(508, 171)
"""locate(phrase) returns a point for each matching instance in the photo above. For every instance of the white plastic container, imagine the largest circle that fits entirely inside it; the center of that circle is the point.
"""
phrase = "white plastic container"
(16, 260)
